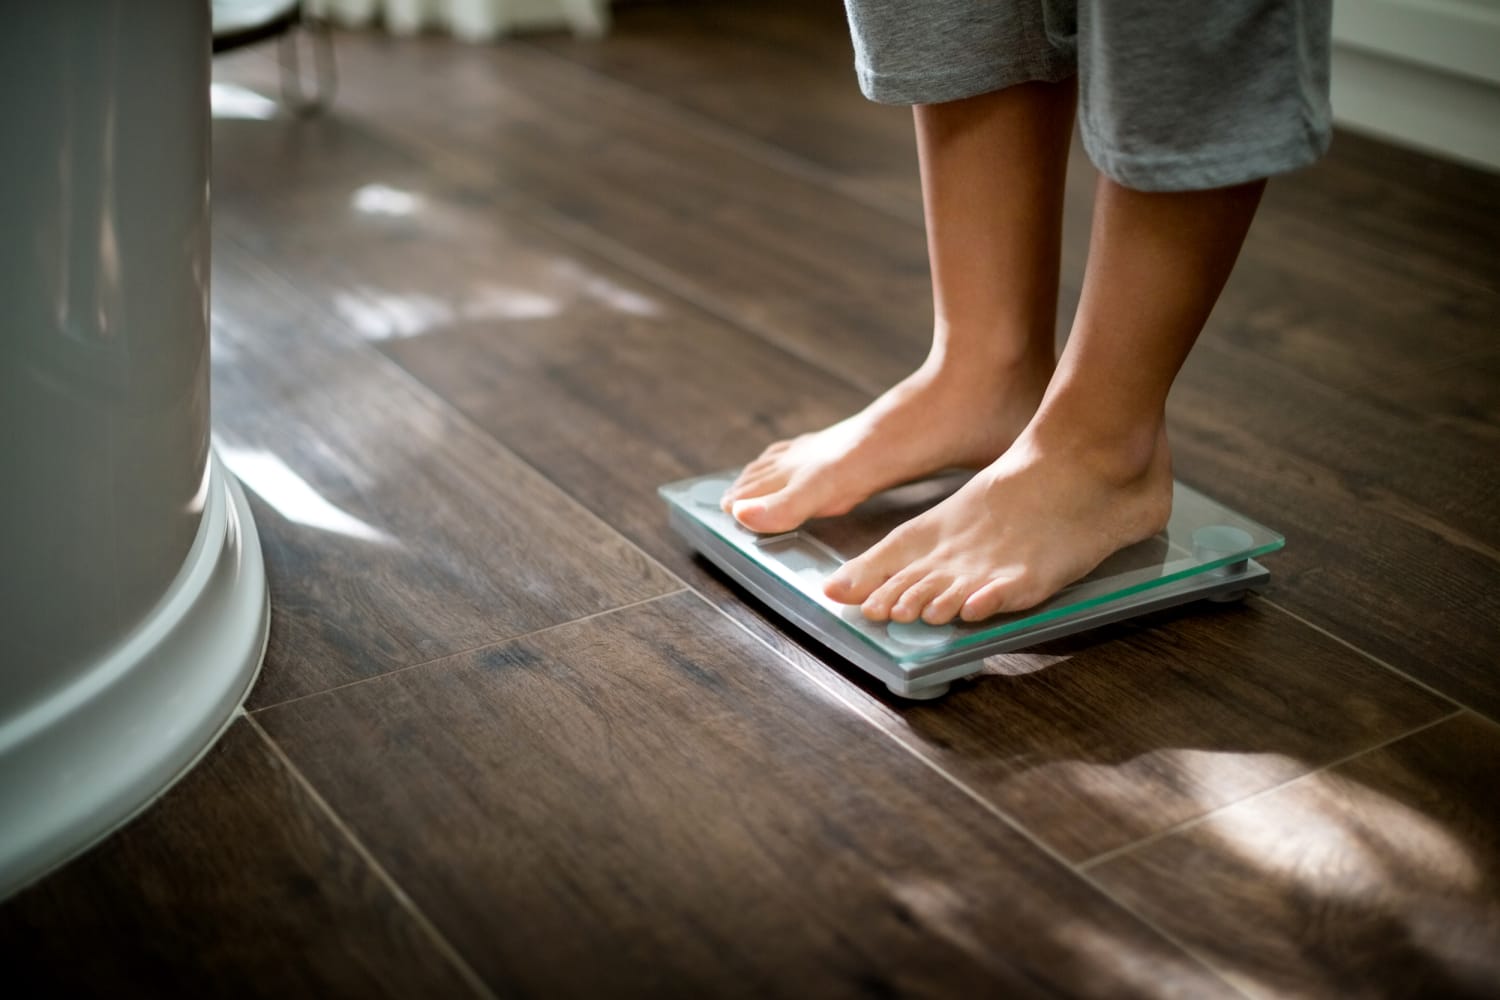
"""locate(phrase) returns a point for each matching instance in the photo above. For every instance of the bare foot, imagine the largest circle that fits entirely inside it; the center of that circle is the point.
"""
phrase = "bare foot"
(940, 417)
(1014, 535)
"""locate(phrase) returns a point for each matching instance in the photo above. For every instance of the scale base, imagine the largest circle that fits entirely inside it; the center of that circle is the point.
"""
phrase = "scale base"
(1204, 554)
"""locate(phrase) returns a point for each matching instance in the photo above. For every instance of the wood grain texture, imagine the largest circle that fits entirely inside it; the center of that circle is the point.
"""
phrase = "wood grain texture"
(1461, 398)
(1378, 878)
(764, 51)
(234, 884)
(610, 405)
(615, 388)
(650, 803)
(393, 531)
(1367, 218)
(1388, 515)
(1328, 316)
(1408, 243)
(689, 212)
(779, 77)
(1376, 265)
(1441, 219)
(1090, 744)
(636, 260)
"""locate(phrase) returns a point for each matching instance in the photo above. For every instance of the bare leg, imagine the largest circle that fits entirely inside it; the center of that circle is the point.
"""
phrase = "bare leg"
(992, 187)
(1091, 472)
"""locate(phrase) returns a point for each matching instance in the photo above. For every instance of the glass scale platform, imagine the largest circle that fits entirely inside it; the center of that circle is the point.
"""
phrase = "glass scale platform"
(1207, 552)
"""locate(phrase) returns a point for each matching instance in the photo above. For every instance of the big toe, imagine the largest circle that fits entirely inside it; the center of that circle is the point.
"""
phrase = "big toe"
(748, 486)
(774, 513)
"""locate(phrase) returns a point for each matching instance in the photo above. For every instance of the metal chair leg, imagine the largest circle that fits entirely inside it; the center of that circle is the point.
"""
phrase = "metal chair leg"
(325, 69)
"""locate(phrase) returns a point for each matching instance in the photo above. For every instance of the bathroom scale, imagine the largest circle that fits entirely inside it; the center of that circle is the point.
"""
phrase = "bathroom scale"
(1207, 552)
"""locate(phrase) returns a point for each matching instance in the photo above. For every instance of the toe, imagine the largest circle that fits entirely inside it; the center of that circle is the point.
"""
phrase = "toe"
(749, 486)
(774, 512)
(878, 606)
(759, 467)
(943, 608)
(857, 579)
(909, 607)
(1007, 594)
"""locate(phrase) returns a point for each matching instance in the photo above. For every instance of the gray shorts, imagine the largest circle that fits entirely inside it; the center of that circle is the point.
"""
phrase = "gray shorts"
(1173, 95)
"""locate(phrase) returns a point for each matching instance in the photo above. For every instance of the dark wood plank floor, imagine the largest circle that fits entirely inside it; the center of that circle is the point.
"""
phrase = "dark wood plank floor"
(513, 739)
(1374, 878)
(237, 883)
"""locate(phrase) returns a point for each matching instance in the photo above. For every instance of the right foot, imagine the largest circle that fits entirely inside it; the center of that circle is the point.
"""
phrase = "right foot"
(940, 417)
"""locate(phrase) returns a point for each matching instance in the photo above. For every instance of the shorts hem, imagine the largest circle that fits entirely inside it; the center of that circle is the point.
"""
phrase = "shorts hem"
(905, 88)
(1216, 168)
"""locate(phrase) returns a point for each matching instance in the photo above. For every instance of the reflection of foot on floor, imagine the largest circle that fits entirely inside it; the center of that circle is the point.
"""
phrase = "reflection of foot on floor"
(1037, 519)
(940, 417)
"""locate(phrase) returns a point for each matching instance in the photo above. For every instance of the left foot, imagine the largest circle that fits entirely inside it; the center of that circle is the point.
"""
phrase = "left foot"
(1037, 519)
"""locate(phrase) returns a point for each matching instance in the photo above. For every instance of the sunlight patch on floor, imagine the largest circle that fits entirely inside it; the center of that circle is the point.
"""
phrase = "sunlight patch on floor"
(293, 497)
(230, 100)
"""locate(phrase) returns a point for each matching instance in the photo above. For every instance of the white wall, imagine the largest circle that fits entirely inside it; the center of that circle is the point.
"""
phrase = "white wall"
(1424, 73)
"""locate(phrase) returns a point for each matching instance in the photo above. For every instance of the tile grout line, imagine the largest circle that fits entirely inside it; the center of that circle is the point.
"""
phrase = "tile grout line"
(483, 645)
(443, 945)
(1104, 857)
(983, 803)
(1372, 657)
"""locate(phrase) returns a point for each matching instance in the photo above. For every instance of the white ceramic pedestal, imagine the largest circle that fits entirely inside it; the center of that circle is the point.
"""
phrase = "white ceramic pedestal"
(133, 607)
(79, 764)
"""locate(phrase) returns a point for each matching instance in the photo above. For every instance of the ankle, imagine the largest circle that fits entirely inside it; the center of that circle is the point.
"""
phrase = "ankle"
(996, 360)
(1122, 450)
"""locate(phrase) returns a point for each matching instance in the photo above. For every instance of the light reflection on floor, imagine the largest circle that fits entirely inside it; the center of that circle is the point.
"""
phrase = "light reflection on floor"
(380, 199)
(1338, 860)
(293, 497)
(230, 100)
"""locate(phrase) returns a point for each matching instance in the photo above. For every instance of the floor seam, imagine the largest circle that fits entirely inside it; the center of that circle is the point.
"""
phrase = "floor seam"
(752, 147)
(1373, 658)
(473, 649)
(460, 168)
(440, 401)
(645, 269)
(1104, 857)
(443, 945)
(979, 799)
(771, 155)
(541, 216)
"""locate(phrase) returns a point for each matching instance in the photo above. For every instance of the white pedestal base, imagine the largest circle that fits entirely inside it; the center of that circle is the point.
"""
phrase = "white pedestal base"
(82, 762)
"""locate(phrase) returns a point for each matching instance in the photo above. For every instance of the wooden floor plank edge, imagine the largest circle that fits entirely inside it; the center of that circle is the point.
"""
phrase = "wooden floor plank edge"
(750, 146)
(441, 943)
(590, 240)
(472, 649)
(460, 168)
(438, 401)
(1188, 824)
(990, 807)
(1450, 699)
(767, 154)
